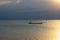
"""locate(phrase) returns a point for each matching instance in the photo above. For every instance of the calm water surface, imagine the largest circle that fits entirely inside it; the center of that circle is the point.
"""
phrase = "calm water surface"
(21, 30)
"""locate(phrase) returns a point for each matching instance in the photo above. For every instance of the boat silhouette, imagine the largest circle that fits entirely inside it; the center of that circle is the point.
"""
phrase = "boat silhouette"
(35, 23)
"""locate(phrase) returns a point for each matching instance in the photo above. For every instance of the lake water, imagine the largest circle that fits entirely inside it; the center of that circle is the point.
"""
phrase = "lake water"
(21, 30)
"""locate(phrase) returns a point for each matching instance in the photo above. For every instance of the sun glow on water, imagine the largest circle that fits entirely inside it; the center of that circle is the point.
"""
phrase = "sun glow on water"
(57, 34)
(56, 25)
(49, 30)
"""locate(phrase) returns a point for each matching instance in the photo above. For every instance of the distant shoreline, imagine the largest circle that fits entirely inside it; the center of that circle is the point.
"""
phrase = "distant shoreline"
(29, 19)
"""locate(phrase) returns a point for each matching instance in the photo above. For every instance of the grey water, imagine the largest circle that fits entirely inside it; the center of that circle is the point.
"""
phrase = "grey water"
(21, 30)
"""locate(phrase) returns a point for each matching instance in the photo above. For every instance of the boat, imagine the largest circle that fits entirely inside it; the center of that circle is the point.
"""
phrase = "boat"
(35, 23)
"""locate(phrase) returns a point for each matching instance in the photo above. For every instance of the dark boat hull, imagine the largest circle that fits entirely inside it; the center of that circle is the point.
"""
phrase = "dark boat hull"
(35, 23)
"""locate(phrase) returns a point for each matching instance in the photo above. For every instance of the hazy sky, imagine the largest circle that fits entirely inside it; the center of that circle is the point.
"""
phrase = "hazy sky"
(26, 9)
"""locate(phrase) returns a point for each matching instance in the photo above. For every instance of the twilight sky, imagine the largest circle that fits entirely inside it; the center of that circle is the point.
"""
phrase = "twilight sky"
(29, 9)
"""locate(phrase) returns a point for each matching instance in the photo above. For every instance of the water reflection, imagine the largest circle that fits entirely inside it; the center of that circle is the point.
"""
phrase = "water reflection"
(50, 30)
(56, 25)
(57, 34)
